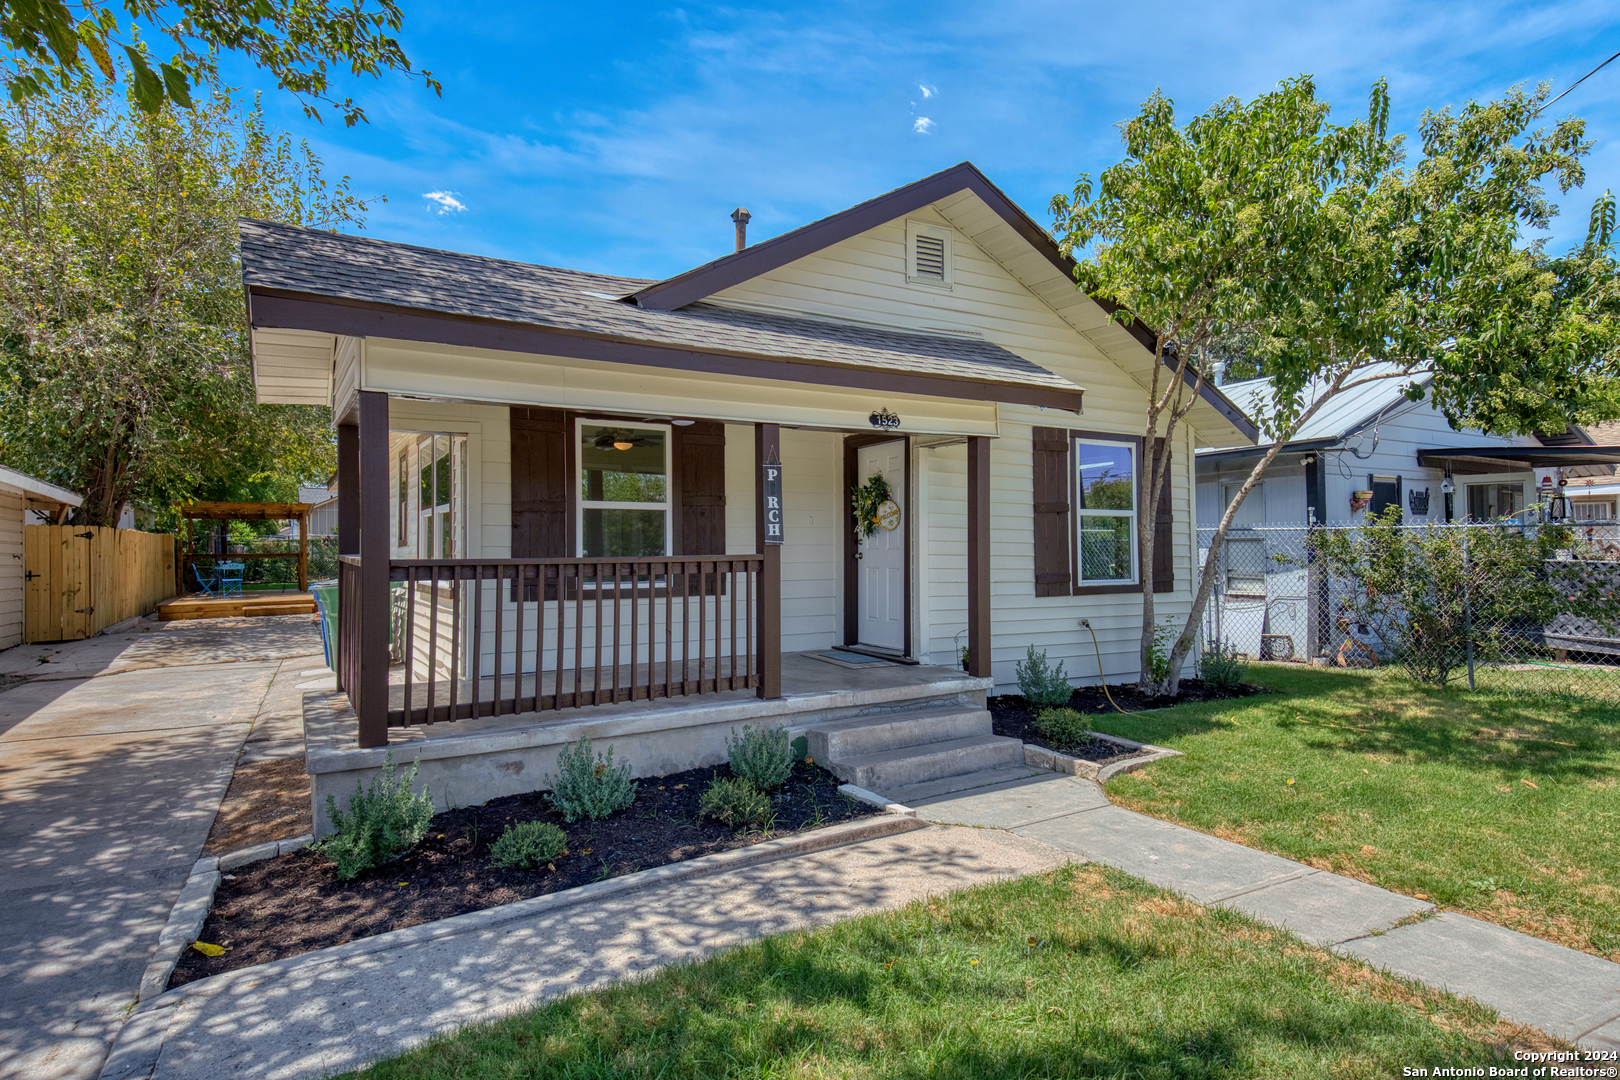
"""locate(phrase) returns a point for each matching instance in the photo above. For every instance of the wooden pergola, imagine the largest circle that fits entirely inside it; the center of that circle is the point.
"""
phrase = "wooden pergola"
(248, 511)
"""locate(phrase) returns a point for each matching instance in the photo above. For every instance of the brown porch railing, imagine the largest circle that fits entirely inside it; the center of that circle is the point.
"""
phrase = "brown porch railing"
(479, 638)
(350, 614)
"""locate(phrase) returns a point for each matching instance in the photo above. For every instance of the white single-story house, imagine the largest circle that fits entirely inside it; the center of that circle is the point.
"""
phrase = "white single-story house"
(567, 495)
(1374, 439)
(24, 500)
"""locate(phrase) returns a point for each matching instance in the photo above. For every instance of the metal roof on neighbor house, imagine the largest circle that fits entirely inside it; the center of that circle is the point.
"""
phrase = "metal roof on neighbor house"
(1339, 417)
(289, 264)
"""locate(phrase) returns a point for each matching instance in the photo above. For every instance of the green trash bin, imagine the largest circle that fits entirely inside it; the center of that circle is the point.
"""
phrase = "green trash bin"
(326, 603)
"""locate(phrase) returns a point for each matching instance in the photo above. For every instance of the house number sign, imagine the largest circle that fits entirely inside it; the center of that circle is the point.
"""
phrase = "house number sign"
(771, 503)
(884, 420)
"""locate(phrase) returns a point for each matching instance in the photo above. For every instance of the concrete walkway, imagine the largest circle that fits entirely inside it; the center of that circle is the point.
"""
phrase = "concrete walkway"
(1566, 993)
(113, 759)
(339, 1008)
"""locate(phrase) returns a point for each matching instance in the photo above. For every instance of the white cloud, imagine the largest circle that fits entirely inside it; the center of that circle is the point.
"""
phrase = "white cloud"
(923, 126)
(448, 203)
(927, 91)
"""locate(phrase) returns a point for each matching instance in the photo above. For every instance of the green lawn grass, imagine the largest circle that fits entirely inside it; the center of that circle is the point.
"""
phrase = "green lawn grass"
(1083, 972)
(1502, 806)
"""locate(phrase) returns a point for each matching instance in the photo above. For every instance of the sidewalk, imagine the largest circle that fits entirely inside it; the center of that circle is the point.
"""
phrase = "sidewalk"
(1566, 993)
(341, 1007)
(113, 760)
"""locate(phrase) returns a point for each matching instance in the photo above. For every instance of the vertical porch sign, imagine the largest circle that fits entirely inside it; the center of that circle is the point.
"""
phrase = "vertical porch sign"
(771, 504)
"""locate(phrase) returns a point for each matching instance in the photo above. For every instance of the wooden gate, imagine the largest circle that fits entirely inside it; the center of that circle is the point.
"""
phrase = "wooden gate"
(81, 580)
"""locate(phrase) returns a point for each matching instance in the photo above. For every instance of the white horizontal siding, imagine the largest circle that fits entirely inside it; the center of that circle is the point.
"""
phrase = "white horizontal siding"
(11, 569)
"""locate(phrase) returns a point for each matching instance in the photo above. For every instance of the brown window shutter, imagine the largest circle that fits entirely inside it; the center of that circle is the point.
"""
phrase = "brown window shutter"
(540, 440)
(1164, 561)
(1053, 576)
(700, 488)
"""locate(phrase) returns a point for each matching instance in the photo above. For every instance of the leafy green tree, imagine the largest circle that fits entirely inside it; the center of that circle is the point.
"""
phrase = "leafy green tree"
(55, 44)
(125, 371)
(1333, 265)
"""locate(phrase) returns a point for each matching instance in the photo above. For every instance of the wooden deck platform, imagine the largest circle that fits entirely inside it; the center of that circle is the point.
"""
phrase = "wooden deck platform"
(199, 606)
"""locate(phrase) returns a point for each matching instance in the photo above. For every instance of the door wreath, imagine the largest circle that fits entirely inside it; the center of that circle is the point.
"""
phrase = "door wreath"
(867, 500)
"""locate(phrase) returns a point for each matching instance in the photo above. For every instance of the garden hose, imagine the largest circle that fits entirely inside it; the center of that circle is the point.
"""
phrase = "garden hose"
(1102, 676)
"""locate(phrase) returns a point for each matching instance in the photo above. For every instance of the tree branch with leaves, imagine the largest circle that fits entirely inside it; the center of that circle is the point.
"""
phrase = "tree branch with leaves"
(1337, 266)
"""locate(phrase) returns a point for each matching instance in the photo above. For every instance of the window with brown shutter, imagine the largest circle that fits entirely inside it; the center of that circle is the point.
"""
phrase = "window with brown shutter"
(700, 488)
(1051, 501)
(1164, 563)
(540, 441)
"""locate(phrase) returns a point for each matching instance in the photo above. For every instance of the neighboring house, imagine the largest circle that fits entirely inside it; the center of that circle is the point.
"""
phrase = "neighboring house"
(1372, 438)
(507, 424)
(322, 507)
(23, 501)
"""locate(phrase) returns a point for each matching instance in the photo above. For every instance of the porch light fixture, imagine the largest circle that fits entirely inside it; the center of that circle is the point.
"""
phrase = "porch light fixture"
(622, 444)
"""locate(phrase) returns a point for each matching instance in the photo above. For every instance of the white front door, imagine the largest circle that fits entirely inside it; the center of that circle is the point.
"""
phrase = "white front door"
(881, 557)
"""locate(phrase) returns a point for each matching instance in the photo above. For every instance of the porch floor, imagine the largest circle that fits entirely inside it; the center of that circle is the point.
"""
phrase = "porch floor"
(811, 689)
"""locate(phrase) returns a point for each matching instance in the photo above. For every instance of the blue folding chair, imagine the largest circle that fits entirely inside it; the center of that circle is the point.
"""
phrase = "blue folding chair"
(208, 583)
(230, 578)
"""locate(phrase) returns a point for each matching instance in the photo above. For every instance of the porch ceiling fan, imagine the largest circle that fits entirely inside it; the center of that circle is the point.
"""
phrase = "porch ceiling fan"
(618, 440)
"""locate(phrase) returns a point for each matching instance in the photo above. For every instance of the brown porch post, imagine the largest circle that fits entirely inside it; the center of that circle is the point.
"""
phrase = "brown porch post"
(373, 470)
(978, 560)
(768, 448)
(348, 515)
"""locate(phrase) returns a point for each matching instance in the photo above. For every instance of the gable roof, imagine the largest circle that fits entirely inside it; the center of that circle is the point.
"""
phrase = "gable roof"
(702, 282)
(306, 279)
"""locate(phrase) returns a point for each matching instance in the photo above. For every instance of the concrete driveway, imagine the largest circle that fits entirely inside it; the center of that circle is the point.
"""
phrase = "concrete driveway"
(114, 756)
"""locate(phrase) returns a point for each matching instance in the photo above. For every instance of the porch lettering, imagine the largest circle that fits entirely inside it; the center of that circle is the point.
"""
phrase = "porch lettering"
(772, 503)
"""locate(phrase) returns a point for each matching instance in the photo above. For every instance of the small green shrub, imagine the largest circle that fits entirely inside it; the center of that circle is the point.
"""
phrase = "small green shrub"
(734, 800)
(1043, 685)
(529, 844)
(761, 755)
(1159, 652)
(381, 823)
(588, 786)
(1063, 726)
(1221, 667)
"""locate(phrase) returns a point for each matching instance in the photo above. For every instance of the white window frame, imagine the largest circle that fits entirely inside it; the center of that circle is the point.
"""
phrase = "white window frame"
(583, 504)
(427, 517)
(1229, 490)
(1134, 513)
(915, 229)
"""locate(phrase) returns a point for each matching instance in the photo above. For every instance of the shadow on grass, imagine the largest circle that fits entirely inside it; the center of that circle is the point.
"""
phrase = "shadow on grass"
(1386, 713)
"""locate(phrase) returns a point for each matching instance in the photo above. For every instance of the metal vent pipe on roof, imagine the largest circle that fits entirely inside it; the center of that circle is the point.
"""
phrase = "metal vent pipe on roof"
(740, 216)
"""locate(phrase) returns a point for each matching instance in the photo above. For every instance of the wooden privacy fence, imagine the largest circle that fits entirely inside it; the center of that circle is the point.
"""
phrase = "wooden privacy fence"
(81, 580)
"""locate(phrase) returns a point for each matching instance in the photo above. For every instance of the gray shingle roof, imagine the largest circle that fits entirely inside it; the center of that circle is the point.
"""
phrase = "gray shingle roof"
(291, 259)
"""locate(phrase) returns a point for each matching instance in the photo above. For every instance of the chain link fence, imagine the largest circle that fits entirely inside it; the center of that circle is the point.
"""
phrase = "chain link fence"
(1512, 607)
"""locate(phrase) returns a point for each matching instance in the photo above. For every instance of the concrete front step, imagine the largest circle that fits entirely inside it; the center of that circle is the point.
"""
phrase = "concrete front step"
(845, 739)
(905, 765)
(916, 794)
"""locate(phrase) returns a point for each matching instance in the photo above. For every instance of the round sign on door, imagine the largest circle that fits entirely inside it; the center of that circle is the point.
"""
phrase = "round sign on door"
(881, 585)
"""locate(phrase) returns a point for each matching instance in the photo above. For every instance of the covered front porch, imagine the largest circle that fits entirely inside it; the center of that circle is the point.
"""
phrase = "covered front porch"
(471, 760)
(538, 642)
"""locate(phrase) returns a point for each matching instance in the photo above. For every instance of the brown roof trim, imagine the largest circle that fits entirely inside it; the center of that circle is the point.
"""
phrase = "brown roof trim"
(704, 281)
(285, 310)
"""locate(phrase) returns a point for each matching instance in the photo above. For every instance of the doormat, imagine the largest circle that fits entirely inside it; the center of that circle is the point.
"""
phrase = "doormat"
(849, 659)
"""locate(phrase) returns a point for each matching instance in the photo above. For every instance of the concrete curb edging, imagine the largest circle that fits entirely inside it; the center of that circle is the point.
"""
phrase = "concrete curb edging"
(735, 859)
(872, 798)
(196, 898)
(1039, 757)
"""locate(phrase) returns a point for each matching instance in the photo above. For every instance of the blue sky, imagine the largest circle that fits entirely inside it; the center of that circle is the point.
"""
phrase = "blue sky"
(618, 137)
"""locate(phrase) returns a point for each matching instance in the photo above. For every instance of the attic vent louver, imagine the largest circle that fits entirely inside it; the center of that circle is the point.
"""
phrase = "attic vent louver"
(930, 258)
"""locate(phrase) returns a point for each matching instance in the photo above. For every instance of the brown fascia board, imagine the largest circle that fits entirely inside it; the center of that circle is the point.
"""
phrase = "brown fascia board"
(275, 308)
(734, 269)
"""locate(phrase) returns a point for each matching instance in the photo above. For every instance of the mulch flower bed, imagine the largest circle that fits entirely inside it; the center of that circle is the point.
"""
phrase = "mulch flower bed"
(295, 904)
(1011, 715)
